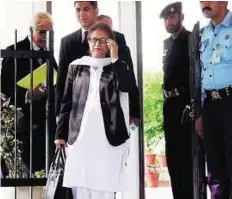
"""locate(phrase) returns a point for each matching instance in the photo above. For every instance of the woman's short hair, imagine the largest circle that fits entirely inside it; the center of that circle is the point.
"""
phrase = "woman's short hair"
(103, 27)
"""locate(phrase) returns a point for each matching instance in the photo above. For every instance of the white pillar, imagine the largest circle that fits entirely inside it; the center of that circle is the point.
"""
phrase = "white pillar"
(127, 25)
(17, 15)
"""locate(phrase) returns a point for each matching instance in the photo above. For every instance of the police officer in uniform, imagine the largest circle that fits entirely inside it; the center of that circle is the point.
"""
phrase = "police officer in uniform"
(176, 97)
(216, 65)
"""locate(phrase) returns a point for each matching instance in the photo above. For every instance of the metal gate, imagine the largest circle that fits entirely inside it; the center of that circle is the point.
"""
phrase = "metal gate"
(17, 177)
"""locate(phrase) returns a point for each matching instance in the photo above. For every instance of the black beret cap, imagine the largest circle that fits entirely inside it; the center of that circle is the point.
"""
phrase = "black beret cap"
(171, 8)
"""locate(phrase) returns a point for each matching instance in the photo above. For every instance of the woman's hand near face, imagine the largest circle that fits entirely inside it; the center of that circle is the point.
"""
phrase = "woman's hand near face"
(113, 48)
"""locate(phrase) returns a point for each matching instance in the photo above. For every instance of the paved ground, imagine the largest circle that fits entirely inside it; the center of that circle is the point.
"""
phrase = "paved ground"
(159, 193)
(151, 193)
(163, 191)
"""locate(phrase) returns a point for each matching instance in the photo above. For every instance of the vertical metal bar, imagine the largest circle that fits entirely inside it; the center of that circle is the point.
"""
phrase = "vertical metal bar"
(15, 104)
(49, 6)
(31, 192)
(199, 181)
(138, 8)
(15, 193)
(31, 101)
(119, 15)
(50, 97)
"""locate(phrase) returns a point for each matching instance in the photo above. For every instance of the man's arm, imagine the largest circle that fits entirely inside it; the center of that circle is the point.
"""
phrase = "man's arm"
(123, 50)
(121, 39)
(125, 55)
(7, 82)
(66, 106)
(61, 76)
(127, 83)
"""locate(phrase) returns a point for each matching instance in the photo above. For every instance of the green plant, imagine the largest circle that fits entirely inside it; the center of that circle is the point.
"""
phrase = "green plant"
(13, 161)
(16, 167)
(39, 174)
(153, 107)
(162, 152)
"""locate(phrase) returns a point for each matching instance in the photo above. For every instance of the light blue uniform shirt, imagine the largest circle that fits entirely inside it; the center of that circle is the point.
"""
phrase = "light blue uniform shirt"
(216, 74)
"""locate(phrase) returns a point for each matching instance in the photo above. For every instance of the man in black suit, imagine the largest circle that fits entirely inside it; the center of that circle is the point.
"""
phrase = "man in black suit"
(41, 24)
(75, 45)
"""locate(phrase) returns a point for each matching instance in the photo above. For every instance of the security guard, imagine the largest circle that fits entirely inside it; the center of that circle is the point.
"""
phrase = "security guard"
(216, 65)
(176, 97)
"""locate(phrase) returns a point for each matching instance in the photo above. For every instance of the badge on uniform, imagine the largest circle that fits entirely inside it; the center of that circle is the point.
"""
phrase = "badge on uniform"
(217, 55)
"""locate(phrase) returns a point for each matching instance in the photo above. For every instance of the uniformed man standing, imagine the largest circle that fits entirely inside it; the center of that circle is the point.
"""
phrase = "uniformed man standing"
(176, 97)
(216, 65)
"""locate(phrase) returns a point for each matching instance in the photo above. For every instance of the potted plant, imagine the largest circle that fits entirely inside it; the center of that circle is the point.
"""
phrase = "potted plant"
(150, 145)
(161, 157)
(153, 115)
(149, 156)
(152, 174)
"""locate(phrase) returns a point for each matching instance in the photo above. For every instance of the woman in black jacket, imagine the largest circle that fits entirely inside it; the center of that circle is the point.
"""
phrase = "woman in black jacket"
(93, 121)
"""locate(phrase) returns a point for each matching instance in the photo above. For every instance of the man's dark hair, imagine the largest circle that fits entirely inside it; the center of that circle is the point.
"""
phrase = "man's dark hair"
(103, 27)
(93, 3)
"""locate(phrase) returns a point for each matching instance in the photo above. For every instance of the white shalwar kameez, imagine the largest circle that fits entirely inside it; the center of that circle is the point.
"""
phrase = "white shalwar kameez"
(94, 168)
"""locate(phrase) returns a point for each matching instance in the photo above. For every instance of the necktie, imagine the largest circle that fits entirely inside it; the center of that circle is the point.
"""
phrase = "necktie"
(41, 60)
(85, 44)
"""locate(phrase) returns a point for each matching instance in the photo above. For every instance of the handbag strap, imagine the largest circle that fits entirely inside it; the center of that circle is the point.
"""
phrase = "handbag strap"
(56, 157)
(62, 156)
(59, 157)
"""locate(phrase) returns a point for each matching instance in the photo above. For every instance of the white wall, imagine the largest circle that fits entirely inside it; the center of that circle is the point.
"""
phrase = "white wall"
(20, 20)
(127, 25)
(16, 14)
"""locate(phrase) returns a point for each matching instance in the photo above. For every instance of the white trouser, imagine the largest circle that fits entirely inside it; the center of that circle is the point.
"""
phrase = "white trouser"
(85, 193)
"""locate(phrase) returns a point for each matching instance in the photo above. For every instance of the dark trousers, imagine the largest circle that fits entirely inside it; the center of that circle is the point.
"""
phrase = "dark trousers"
(178, 148)
(217, 125)
(38, 148)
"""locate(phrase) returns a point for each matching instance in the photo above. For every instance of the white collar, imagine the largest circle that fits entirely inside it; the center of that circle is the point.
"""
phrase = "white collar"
(92, 62)
(33, 44)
